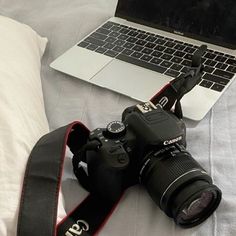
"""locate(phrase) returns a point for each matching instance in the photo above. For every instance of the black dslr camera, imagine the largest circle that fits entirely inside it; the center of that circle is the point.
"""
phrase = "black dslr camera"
(148, 147)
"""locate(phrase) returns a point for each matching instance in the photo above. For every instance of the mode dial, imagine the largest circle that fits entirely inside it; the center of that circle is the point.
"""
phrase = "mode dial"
(115, 129)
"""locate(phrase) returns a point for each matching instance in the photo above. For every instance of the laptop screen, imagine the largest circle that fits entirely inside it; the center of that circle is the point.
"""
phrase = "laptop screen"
(213, 21)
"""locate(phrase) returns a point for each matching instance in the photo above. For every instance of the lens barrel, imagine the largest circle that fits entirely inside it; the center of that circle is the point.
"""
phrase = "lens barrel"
(179, 185)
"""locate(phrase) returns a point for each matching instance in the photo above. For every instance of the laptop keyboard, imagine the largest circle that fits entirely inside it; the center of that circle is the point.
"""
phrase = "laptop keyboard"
(160, 54)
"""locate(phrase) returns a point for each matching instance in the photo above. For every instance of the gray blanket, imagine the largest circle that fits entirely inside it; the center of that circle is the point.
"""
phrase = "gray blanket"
(212, 141)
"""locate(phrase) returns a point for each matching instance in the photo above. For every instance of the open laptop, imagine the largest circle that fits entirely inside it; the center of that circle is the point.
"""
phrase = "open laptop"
(148, 43)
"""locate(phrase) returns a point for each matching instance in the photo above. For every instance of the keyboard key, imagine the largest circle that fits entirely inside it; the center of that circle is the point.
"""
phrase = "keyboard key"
(151, 39)
(224, 74)
(231, 62)
(190, 50)
(186, 63)
(98, 36)
(95, 41)
(176, 67)
(179, 54)
(221, 58)
(147, 50)
(221, 66)
(107, 25)
(109, 46)
(206, 83)
(144, 64)
(150, 45)
(101, 50)
(209, 55)
(232, 69)
(136, 54)
(208, 69)
(160, 41)
(111, 53)
(124, 31)
(123, 37)
(166, 57)
(169, 50)
(210, 63)
(115, 28)
(103, 31)
(172, 73)
(176, 60)
(142, 36)
(179, 47)
(83, 44)
(141, 42)
(133, 33)
(114, 34)
(146, 58)
(110, 39)
(169, 44)
(156, 61)
(118, 49)
(216, 79)
(131, 40)
(137, 48)
(119, 42)
(217, 87)
(188, 57)
(128, 45)
(157, 54)
(159, 48)
(166, 64)
(92, 47)
(127, 52)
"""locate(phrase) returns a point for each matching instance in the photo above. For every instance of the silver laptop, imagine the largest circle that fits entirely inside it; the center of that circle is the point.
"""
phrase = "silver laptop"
(148, 43)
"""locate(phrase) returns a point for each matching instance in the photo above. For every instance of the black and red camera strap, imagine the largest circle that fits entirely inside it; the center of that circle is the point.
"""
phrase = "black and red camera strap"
(39, 200)
(40, 191)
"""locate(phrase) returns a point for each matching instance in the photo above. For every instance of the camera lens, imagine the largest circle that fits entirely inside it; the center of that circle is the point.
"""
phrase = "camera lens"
(179, 185)
(197, 206)
(194, 203)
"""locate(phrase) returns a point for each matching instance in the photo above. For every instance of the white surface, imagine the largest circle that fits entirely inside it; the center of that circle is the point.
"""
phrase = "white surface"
(212, 142)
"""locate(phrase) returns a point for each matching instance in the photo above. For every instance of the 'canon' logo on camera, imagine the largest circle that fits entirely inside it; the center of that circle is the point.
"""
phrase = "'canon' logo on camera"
(78, 228)
(167, 142)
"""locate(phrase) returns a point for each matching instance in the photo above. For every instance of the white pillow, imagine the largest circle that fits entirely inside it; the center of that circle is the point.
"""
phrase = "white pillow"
(22, 114)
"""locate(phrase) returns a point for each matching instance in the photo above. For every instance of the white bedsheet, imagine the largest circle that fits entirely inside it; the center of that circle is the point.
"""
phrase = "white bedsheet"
(212, 141)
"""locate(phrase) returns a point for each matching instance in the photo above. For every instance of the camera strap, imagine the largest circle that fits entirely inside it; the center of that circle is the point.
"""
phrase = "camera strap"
(171, 94)
(40, 192)
(39, 199)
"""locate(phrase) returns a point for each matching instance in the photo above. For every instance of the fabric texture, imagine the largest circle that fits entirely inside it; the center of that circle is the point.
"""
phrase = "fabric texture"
(22, 112)
(211, 141)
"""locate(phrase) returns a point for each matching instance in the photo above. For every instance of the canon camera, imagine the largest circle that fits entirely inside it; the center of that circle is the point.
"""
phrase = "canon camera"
(148, 147)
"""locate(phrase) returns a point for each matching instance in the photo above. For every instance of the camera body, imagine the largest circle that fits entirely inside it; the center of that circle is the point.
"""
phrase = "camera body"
(148, 147)
(118, 162)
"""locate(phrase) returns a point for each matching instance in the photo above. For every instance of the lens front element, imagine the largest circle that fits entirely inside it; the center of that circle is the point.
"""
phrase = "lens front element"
(195, 203)
(196, 207)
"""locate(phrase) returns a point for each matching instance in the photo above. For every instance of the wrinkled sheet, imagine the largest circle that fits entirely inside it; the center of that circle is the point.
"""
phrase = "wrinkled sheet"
(212, 141)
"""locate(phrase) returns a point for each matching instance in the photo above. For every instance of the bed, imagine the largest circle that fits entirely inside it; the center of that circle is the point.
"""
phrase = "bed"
(212, 141)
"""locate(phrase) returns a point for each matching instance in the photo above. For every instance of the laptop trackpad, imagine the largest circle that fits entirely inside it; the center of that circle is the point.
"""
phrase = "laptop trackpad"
(134, 81)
